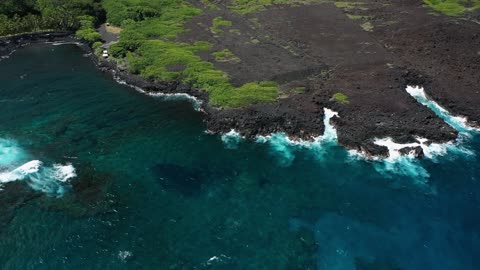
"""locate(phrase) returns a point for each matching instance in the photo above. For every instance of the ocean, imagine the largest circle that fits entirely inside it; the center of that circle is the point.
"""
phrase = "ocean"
(98, 175)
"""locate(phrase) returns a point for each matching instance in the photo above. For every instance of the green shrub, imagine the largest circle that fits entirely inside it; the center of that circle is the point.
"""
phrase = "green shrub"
(341, 98)
(218, 23)
(225, 56)
(117, 50)
(453, 7)
(89, 35)
(96, 45)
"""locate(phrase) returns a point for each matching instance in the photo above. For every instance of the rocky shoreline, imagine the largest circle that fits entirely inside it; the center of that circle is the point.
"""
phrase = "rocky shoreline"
(293, 116)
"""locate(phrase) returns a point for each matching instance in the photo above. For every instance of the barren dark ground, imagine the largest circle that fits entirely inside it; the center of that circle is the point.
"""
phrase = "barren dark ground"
(322, 49)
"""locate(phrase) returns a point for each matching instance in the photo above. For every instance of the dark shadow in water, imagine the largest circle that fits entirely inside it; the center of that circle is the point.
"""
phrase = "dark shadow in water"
(13, 196)
(187, 181)
(365, 264)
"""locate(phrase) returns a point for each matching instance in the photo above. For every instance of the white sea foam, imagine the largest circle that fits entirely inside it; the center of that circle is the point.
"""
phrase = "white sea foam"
(124, 255)
(21, 172)
(457, 122)
(396, 163)
(7, 56)
(197, 104)
(231, 139)
(10, 152)
(53, 180)
(284, 147)
(64, 43)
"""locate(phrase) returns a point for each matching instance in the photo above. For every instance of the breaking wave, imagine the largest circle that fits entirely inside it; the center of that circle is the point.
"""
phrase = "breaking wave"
(457, 122)
(52, 180)
(409, 165)
(284, 148)
(232, 139)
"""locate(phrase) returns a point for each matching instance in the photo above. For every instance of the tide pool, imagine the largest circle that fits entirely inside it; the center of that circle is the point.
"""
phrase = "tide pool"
(103, 176)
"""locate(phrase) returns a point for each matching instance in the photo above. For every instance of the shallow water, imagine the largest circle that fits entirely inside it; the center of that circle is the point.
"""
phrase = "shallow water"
(153, 190)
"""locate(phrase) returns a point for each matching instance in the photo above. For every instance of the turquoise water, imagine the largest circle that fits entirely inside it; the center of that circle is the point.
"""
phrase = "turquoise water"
(145, 187)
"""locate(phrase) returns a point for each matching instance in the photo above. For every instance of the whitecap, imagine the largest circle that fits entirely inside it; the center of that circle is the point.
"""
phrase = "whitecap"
(53, 180)
(21, 172)
(125, 255)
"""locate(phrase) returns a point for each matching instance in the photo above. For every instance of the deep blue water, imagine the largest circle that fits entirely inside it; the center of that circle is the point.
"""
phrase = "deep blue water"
(154, 191)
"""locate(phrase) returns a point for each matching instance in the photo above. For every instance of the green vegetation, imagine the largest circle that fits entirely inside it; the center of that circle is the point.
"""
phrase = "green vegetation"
(152, 59)
(249, 6)
(218, 24)
(453, 7)
(300, 89)
(24, 16)
(341, 98)
(226, 56)
(208, 4)
(87, 30)
(150, 47)
(348, 6)
(235, 31)
(367, 26)
(358, 17)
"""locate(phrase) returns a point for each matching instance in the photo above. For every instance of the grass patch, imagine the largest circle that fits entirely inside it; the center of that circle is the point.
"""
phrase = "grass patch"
(153, 57)
(250, 6)
(367, 26)
(341, 98)
(300, 89)
(226, 56)
(218, 24)
(358, 17)
(235, 31)
(255, 23)
(348, 6)
(210, 5)
(453, 7)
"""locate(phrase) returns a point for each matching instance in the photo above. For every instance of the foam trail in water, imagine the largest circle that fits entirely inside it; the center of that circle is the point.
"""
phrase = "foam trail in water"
(457, 122)
(232, 139)
(284, 148)
(197, 104)
(64, 43)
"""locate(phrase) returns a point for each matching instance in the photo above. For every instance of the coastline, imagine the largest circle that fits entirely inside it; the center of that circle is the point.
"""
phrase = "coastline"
(250, 122)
